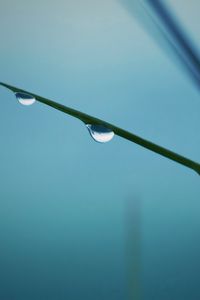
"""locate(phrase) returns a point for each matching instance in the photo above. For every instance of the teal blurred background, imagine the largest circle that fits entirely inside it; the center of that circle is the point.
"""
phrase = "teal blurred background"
(81, 220)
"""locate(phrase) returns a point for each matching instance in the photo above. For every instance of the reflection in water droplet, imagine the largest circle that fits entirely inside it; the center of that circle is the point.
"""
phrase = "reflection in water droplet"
(25, 99)
(100, 133)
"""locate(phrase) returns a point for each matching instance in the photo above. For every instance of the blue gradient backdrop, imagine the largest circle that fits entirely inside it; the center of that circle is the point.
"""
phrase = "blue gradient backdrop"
(64, 199)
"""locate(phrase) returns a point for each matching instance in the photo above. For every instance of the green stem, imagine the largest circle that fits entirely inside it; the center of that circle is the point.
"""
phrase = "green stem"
(87, 119)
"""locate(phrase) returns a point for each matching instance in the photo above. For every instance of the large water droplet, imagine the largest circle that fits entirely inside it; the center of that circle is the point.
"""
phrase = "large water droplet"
(25, 99)
(100, 133)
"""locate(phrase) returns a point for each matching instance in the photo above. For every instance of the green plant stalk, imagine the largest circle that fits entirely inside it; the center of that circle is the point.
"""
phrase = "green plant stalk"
(87, 119)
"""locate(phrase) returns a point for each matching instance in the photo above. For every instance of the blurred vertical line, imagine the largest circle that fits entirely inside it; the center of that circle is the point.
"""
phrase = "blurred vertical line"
(133, 247)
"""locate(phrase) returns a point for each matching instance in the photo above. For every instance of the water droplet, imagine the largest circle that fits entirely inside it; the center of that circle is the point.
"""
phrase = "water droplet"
(100, 133)
(25, 99)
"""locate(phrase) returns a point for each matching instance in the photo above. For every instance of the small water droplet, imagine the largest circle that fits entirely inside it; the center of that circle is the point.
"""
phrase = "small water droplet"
(25, 99)
(100, 133)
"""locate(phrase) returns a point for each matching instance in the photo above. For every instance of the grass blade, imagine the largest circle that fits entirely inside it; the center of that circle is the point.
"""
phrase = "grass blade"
(87, 119)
